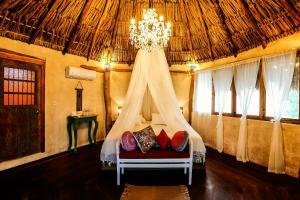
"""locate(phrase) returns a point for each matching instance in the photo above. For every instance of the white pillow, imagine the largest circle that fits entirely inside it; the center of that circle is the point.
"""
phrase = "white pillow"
(140, 120)
(156, 119)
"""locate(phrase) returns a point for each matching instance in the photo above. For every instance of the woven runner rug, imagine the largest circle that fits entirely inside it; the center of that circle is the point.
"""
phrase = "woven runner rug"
(132, 192)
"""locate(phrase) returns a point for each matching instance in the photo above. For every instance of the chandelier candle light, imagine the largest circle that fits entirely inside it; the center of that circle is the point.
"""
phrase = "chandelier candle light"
(151, 33)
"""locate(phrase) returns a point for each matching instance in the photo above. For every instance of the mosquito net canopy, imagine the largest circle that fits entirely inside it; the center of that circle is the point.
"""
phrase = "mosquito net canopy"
(150, 70)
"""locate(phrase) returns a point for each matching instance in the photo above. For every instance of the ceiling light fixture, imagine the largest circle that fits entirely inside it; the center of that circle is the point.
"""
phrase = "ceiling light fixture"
(151, 32)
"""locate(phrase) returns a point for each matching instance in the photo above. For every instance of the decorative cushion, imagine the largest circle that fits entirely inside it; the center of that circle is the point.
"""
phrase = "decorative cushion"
(179, 141)
(145, 138)
(157, 119)
(128, 142)
(163, 139)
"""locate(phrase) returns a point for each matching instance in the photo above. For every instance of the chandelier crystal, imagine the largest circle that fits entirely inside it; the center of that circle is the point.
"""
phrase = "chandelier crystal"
(151, 33)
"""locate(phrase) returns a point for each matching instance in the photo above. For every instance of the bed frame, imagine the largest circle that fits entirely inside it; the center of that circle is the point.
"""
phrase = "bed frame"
(185, 163)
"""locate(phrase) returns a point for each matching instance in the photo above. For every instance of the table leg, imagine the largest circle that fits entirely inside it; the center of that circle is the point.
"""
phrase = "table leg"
(89, 132)
(69, 127)
(75, 137)
(95, 130)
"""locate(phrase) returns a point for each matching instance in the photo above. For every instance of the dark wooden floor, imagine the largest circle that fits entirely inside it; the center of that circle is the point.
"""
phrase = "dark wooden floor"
(67, 176)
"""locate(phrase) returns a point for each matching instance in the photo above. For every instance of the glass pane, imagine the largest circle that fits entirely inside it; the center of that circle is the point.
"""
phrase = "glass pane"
(16, 86)
(5, 99)
(24, 99)
(227, 108)
(28, 99)
(32, 87)
(25, 87)
(20, 99)
(25, 75)
(6, 72)
(16, 99)
(11, 99)
(5, 89)
(254, 104)
(11, 86)
(16, 73)
(21, 74)
(20, 86)
(32, 99)
(29, 75)
(29, 87)
(11, 73)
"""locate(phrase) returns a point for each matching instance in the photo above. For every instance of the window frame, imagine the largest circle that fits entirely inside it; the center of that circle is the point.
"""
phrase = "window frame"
(262, 101)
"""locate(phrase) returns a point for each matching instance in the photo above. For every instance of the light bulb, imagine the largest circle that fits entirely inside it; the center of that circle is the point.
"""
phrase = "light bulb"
(132, 21)
(161, 18)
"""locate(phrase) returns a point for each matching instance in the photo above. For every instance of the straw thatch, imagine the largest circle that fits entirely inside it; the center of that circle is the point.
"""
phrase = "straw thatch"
(202, 30)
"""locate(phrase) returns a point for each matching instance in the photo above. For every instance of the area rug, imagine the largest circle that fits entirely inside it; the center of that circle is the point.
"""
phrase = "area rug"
(132, 192)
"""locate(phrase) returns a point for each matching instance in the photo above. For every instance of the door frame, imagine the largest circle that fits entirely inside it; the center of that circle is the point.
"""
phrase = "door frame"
(5, 54)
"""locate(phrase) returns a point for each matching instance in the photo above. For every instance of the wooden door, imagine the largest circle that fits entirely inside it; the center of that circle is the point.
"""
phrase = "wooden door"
(21, 108)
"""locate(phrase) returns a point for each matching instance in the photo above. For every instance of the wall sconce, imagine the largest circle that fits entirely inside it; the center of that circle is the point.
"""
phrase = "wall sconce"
(181, 109)
(106, 67)
(105, 59)
(119, 110)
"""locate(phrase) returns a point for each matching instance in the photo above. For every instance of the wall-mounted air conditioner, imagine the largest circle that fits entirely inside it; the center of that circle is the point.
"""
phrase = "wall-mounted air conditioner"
(79, 73)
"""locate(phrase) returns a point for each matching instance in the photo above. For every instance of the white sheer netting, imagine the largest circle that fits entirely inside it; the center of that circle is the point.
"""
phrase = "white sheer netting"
(150, 69)
(245, 78)
(278, 75)
(222, 79)
(202, 101)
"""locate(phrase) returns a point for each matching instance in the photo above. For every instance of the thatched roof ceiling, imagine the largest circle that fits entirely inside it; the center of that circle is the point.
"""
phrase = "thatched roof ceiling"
(202, 30)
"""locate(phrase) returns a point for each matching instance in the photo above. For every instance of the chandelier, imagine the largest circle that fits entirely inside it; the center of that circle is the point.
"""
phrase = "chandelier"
(151, 33)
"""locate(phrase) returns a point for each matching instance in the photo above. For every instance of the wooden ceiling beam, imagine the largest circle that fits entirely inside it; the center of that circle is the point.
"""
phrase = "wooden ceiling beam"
(217, 3)
(41, 24)
(206, 31)
(96, 32)
(76, 28)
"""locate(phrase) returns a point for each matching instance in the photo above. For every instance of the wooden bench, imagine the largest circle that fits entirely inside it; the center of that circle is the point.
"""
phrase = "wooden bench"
(155, 158)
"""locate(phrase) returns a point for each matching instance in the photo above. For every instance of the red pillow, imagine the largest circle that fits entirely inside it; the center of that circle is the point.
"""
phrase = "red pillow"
(179, 141)
(163, 139)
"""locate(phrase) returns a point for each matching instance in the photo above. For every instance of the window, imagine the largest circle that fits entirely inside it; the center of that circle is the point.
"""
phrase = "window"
(203, 88)
(227, 108)
(254, 103)
(292, 104)
(260, 107)
(19, 86)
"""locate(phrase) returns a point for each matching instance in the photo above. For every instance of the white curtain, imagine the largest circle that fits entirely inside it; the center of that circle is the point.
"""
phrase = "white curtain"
(245, 78)
(202, 101)
(278, 75)
(150, 69)
(222, 79)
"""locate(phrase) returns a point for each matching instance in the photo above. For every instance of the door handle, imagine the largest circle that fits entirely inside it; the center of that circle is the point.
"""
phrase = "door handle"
(37, 112)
